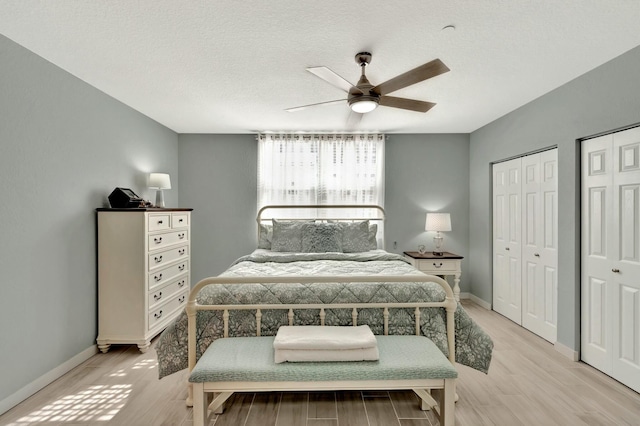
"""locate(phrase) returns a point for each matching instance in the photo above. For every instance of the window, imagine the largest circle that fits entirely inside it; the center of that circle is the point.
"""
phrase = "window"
(320, 169)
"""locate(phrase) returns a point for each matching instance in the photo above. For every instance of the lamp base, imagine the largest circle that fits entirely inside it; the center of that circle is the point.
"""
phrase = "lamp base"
(159, 198)
(438, 240)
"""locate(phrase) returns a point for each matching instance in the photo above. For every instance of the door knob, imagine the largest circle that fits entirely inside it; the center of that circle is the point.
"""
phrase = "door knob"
(616, 270)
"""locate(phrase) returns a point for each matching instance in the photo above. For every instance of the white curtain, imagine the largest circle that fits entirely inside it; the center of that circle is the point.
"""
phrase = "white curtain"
(320, 169)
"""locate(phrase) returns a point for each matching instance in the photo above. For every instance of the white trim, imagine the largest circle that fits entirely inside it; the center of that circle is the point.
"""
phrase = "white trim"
(42, 381)
(475, 299)
(567, 351)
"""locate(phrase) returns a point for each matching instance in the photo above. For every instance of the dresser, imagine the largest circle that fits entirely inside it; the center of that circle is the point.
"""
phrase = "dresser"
(143, 273)
(432, 264)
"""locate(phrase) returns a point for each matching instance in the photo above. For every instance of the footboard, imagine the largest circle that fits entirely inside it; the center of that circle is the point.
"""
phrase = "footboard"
(449, 303)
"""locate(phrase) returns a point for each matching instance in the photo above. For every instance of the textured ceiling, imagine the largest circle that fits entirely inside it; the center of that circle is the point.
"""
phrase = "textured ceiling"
(220, 66)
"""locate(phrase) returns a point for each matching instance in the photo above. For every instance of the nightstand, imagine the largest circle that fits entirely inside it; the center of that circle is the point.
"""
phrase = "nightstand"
(447, 264)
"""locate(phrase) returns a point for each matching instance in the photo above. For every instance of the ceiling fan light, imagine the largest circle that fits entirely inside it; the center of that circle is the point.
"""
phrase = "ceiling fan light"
(364, 106)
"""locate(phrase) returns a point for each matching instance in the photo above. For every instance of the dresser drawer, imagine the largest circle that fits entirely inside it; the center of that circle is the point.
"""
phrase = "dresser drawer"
(163, 240)
(161, 276)
(436, 266)
(160, 258)
(159, 222)
(166, 292)
(165, 312)
(179, 220)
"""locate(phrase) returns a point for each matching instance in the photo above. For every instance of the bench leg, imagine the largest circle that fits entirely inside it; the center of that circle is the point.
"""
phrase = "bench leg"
(189, 395)
(426, 400)
(448, 403)
(217, 405)
(200, 406)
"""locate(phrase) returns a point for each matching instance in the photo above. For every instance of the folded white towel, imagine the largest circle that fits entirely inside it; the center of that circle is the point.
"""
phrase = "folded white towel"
(324, 337)
(325, 355)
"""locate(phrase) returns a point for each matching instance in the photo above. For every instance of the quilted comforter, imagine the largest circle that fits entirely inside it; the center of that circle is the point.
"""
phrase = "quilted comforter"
(473, 345)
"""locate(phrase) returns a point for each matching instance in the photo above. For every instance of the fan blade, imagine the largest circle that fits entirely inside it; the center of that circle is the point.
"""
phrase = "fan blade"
(354, 119)
(416, 75)
(332, 78)
(403, 103)
(299, 108)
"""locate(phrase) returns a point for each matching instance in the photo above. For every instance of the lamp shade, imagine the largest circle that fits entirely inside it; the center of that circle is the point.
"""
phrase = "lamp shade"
(438, 222)
(159, 181)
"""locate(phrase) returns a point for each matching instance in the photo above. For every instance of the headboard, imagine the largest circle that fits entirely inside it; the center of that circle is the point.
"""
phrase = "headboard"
(329, 212)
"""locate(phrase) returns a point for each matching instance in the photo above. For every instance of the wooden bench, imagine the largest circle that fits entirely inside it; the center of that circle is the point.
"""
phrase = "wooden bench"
(246, 364)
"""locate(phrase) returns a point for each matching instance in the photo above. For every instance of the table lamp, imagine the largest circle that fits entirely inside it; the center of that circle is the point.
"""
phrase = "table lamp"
(159, 181)
(438, 222)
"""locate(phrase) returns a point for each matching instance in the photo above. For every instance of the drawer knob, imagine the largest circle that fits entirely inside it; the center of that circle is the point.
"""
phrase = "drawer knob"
(181, 236)
(157, 277)
(157, 296)
(157, 315)
(179, 220)
(181, 283)
(507, 248)
(615, 270)
(181, 252)
(437, 265)
(181, 267)
(157, 240)
(159, 222)
(181, 299)
(536, 254)
(158, 259)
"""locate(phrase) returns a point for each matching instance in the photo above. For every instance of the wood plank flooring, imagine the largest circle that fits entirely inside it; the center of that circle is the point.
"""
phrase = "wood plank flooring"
(529, 383)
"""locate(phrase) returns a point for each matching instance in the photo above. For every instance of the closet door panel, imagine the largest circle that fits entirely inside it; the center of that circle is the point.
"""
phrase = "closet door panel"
(625, 258)
(539, 248)
(500, 217)
(596, 275)
(507, 272)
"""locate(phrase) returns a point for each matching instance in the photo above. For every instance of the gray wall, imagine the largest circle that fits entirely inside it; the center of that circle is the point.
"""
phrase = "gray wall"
(427, 172)
(218, 179)
(64, 146)
(603, 99)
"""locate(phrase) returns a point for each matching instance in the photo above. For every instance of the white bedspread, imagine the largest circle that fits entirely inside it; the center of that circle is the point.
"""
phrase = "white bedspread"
(324, 337)
(325, 343)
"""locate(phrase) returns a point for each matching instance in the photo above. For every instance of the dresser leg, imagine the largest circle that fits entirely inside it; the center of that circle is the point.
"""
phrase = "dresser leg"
(144, 346)
(103, 346)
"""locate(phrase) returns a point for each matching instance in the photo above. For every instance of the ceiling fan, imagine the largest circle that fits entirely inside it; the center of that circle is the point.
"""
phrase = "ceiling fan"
(365, 97)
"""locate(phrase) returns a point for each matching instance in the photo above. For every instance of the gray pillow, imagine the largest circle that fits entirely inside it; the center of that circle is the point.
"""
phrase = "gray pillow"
(265, 236)
(321, 238)
(355, 236)
(287, 236)
(373, 241)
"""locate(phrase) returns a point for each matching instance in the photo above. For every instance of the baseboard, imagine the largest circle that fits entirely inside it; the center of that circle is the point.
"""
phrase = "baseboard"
(42, 381)
(475, 299)
(567, 351)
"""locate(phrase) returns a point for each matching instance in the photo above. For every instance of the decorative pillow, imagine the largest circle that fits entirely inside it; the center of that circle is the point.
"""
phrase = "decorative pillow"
(373, 241)
(265, 233)
(355, 236)
(321, 238)
(287, 236)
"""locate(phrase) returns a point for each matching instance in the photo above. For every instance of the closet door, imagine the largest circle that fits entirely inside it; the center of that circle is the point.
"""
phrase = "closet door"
(611, 255)
(507, 244)
(539, 243)
(626, 258)
(597, 230)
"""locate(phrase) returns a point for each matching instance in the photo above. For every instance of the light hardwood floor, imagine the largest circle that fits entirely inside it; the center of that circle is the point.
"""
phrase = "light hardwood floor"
(529, 383)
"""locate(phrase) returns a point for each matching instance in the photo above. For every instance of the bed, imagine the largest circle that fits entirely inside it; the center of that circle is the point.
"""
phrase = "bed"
(473, 347)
